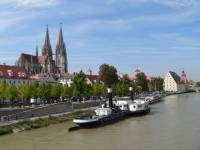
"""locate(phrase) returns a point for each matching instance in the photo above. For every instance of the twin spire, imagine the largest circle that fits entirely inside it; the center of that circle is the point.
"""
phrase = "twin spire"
(61, 62)
(47, 49)
(60, 40)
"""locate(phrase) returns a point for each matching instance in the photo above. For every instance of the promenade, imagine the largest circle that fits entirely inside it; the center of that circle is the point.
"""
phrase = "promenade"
(54, 110)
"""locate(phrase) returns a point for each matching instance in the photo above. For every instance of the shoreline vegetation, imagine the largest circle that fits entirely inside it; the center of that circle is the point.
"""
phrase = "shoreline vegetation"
(41, 122)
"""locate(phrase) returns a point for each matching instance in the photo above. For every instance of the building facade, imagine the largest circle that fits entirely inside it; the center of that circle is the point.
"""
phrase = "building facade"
(46, 63)
(14, 75)
(173, 83)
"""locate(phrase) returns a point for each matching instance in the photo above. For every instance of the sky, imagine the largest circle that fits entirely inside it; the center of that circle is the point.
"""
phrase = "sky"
(153, 35)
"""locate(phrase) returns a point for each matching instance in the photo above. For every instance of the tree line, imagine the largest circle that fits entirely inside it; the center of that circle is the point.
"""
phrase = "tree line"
(79, 88)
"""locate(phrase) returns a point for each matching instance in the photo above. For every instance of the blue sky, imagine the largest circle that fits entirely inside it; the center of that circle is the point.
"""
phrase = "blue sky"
(153, 35)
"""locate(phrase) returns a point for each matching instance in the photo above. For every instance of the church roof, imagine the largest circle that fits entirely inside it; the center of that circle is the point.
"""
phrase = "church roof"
(13, 72)
(27, 57)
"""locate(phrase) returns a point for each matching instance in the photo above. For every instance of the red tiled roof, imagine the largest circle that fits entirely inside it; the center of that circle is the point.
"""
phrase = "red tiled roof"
(13, 72)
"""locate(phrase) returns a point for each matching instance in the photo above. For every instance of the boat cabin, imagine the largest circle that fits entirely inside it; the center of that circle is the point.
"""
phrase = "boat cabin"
(103, 111)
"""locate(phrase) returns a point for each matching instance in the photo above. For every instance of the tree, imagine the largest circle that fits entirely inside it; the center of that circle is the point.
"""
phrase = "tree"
(141, 81)
(3, 87)
(125, 79)
(24, 91)
(56, 90)
(11, 92)
(121, 89)
(98, 90)
(108, 74)
(79, 84)
(66, 91)
(33, 88)
(159, 84)
(156, 84)
(44, 91)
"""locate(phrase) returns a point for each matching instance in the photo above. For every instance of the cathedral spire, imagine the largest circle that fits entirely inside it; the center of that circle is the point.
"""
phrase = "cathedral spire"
(47, 50)
(61, 54)
(60, 40)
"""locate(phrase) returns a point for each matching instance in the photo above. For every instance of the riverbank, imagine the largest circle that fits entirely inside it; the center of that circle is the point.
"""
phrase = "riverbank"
(45, 121)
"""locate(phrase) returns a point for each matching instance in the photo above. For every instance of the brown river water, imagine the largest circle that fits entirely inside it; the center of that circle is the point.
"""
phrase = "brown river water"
(173, 124)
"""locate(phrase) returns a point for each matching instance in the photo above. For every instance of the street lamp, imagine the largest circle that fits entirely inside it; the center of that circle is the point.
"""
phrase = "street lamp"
(109, 90)
(131, 92)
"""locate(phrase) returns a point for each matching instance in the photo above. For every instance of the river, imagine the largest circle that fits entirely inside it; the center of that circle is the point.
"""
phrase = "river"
(173, 124)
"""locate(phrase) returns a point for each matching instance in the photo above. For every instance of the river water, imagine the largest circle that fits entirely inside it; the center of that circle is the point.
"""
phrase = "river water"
(173, 124)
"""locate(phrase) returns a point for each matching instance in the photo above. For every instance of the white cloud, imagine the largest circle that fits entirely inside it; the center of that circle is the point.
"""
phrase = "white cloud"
(17, 11)
(10, 18)
(30, 3)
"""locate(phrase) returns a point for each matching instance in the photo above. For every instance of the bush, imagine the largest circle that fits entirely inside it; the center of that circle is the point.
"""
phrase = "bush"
(5, 130)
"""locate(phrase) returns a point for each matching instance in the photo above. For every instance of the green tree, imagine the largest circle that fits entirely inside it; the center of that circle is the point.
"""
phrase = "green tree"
(121, 89)
(3, 87)
(24, 91)
(156, 84)
(33, 88)
(98, 90)
(44, 91)
(66, 91)
(56, 90)
(79, 84)
(159, 84)
(141, 82)
(11, 93)
(125, 79)
(108, 74)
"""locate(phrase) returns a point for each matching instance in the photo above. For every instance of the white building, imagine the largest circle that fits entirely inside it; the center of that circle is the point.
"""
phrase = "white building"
(172, 83)
(66, 79)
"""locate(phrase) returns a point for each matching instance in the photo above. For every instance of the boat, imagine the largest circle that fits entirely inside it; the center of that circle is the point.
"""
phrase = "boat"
(134, 107)
(152, 98)
(103, 115)
(111, 112)
(139, 107)
(106, 114)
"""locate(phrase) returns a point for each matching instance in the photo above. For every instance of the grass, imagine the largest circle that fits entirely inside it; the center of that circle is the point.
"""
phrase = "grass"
(29, 125)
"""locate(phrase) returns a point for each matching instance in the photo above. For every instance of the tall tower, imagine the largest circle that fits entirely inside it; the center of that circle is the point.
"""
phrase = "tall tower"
(47, 50)
(48, 66)
(61, 54)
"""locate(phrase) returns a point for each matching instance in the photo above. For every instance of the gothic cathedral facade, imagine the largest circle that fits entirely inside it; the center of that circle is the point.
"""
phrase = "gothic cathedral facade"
(46, 63)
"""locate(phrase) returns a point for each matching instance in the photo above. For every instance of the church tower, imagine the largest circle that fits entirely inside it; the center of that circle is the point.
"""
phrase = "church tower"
(61, 54)
(48, 66)
(47, 50)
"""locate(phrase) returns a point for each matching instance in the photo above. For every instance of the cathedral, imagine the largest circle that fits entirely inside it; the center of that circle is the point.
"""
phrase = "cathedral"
(46, 63)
